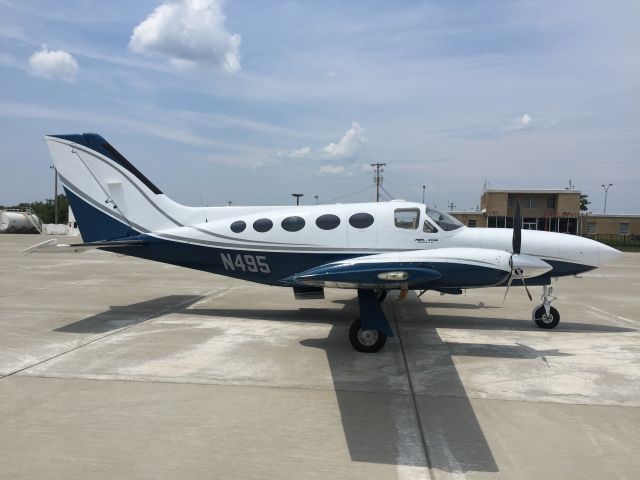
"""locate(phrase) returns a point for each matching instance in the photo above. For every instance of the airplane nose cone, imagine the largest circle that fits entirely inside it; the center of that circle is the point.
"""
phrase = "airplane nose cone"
(607, 254)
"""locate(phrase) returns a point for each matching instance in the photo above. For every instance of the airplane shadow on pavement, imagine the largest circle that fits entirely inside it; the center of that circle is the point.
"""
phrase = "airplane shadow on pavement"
(402, 421)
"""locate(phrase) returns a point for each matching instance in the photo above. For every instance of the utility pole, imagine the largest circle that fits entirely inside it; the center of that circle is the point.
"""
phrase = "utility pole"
(297, 195)
(423, 190)
(451, 206)
(55, 194)
(606, 190)
(316, 197)
(379, 168)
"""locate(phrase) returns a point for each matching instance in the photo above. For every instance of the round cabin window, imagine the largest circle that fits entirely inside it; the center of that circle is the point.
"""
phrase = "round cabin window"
(293, 224)
(328, 221)
(361, 220)
(262, 225)
(238, 226)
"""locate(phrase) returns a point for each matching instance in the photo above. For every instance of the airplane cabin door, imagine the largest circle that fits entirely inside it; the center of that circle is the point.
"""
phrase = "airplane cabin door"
(362, 230)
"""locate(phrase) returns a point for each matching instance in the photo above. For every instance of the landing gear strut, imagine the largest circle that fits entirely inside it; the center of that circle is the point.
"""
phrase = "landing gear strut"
(544, 315)
(369, 333)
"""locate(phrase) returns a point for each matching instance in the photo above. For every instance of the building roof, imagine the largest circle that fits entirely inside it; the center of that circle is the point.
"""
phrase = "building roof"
(515, 190)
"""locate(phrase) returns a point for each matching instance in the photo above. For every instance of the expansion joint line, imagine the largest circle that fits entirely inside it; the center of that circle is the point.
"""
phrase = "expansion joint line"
(412, 391)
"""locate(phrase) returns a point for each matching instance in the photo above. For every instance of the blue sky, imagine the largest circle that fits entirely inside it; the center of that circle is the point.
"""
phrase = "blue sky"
(250, 101)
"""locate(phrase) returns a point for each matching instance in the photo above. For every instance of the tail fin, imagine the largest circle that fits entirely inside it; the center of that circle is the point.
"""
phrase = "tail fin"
(109, 197)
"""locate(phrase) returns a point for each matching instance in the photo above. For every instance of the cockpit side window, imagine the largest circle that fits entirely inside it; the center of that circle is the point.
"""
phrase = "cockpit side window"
(408, 218)
(428, 227)
(445, 221)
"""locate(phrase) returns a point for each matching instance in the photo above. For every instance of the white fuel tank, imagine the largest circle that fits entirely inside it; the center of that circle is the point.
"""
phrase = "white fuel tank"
(16, 222)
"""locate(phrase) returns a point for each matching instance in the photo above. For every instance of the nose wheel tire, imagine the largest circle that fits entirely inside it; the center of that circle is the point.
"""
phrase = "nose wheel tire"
(544, 320)
(367, 341)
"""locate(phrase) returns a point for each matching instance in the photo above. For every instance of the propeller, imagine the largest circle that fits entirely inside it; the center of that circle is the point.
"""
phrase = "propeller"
(516, 245)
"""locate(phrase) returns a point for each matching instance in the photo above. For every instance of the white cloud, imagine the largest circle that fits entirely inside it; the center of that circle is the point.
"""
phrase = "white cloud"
(349, 144)
(525, 120)
(53, 64)
(332, 170)
(300, 153)
(189, 32)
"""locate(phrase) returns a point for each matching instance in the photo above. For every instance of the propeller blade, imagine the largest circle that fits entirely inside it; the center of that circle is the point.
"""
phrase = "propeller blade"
(508, 285)
(517, 230)
(527, 289)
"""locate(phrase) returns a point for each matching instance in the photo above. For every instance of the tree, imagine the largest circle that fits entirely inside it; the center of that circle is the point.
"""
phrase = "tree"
(584, 202)
(46, 210)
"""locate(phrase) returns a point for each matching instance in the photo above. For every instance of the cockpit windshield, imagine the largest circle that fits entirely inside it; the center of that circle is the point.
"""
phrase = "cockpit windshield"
(444, 220)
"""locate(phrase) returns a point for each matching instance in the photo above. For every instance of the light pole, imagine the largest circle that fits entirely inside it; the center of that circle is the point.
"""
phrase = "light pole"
(606, 190)
(55, 194)
(316, 197)
(423, 190)
(297, 195)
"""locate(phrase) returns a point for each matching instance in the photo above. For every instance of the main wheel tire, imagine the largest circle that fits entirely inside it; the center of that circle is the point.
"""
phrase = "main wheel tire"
(381, 295)
(367, 341)
(543, 320)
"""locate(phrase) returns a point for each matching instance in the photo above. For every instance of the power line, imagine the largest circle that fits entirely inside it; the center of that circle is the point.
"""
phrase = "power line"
(391, 197)
(348, 194)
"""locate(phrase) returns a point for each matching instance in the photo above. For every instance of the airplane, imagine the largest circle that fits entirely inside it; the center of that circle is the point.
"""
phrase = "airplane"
(369, 247)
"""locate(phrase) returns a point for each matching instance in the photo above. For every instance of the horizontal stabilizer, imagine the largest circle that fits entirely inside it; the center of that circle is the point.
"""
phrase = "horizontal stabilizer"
(52, 246)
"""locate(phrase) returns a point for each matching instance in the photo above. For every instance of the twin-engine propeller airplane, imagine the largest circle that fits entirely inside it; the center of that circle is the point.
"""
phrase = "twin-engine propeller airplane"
(370, 247)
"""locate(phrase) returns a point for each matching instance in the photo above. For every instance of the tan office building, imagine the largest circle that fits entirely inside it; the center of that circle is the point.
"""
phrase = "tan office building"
(548, 210)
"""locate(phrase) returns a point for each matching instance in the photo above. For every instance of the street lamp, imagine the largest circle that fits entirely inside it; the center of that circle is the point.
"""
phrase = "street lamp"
(297, 195)
(316, 197)
(55, 194)
(423, 190)
(606, 190)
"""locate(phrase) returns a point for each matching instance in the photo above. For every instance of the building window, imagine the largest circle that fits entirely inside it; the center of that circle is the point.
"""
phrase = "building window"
(529, 202)
(262, 225)
(406, 218)
(591, 228)
(511, 203)
(491, 222)
(529, 224)
(501, 222)
(328, 221)
(551, 202)
(361, 220)
(293, 224)
(238, 226)
(624, 229)
(472, 223)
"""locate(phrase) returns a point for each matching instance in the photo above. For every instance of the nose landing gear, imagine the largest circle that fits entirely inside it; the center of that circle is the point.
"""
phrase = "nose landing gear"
(544, 315)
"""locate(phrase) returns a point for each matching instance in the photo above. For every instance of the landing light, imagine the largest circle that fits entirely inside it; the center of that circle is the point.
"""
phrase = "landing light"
(393, 276)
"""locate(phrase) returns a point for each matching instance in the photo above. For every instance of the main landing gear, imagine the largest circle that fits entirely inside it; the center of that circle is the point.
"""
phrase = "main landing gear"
(369, 333)
(544, 315)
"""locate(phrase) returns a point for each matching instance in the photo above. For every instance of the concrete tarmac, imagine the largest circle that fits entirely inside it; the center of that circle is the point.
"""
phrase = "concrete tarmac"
(113, 367)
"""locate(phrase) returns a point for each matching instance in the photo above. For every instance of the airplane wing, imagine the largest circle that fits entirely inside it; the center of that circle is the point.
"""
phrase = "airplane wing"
(52, 246)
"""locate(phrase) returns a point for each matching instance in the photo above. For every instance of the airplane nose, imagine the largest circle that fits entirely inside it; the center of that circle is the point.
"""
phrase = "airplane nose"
(607, 254)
